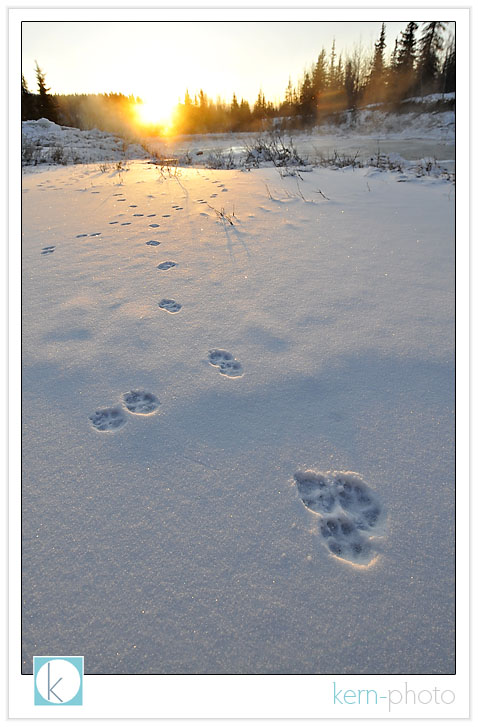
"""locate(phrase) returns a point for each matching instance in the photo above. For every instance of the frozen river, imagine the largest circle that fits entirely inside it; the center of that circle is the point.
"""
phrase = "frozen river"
(439, 147)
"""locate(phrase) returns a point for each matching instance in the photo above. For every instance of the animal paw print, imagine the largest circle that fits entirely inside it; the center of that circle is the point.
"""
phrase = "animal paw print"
(170, 305)
(48, 250)
(225, 362)
(166, 265)
(140, 402)
(110, 419)
(349, 512)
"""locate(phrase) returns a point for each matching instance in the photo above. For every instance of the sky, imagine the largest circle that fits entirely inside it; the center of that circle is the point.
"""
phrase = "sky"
(162, 59)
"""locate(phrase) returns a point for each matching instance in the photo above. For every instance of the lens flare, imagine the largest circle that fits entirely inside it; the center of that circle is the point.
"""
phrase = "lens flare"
(153, 113)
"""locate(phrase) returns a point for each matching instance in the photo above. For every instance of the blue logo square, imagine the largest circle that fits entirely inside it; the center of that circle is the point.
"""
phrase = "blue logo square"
(58, 681)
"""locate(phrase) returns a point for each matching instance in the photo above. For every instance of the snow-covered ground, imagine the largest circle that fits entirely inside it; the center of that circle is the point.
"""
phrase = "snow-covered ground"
(44, 142)
(206, 359)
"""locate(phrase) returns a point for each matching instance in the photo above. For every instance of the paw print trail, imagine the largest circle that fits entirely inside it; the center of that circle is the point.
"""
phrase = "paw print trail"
(113, 418)
(169, 305)
(348, 509)
(140, 402)
(225, 362)
(110, 419)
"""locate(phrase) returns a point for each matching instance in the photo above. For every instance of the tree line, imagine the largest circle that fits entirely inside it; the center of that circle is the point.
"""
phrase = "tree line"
(422, 62)
(107, 111)
(417, 66)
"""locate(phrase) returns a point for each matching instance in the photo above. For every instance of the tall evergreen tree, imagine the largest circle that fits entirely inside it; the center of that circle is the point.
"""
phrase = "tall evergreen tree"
(245, 114)
(331, 74)
(377, 79)
(448, 83)
(46, 106)
(235, 114)
(319, 78)
(260, 106)
(307, 99)
(288, 108)
(405, 63)
(392, 71)
(339, 74)
(428, 64)
(351, 84)
(28, 102)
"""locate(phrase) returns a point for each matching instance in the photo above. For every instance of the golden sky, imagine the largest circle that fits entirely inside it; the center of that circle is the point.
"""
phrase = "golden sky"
(159, 60)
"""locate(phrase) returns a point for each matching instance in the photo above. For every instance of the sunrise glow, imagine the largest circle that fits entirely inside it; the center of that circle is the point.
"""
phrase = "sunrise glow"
(153, 113)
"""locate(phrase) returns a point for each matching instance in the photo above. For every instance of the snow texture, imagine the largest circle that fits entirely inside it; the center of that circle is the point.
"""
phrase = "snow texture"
(43, 141)
(180, 518)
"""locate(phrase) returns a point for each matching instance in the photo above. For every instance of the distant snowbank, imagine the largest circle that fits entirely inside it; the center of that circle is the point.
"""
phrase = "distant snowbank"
(431, 98)
(438, 125)
(44, 142)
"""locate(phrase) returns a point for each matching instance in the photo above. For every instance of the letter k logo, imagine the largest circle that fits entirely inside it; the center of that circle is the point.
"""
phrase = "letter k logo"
(51, 688)
(58, 680)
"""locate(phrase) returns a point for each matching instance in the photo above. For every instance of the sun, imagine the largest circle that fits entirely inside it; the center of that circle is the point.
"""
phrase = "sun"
(153, 113)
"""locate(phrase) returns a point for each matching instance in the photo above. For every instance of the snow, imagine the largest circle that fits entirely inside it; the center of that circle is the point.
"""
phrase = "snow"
(439, 126)
(405, 138)
(408, 137)
(431, 98)
(174, 457)
(43, 139)
(411, 136)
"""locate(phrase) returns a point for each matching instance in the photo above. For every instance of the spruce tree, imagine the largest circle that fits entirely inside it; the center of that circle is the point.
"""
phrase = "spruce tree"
(260, 106)
(331, 74)
(319, 78)
(307, 100)
(376, 80)
(235, 114)
(405, 64)
(28, 102)
(428, 65)
(392, 73)
(245, 114)
(46, 106)
(448, 82)
(351, 85)
(288, 107)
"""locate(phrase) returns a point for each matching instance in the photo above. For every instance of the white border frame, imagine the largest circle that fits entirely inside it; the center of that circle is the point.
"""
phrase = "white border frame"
(244, 696)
